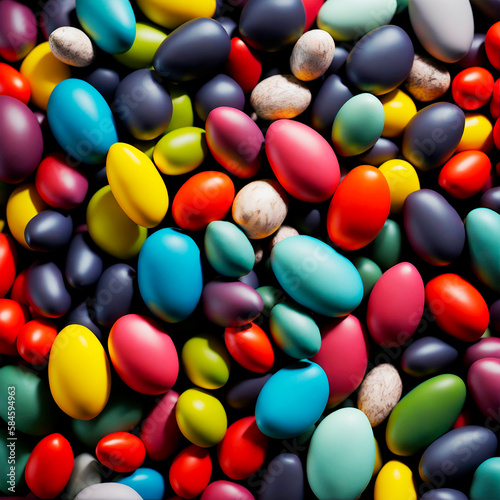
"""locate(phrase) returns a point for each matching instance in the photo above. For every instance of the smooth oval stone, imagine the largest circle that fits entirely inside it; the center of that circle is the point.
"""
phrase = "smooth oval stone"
(396, 480)
(486, 480)
(427, 356)
(484, 348)
(466, 447)
(83, 264)
(482, 226)
(282, 25)
(71, 46)
(109, 491)
(110, 23)
(341, 455)
(491, 199)
(435, 27)
(428, 79)
(149, 483)
(433, 227)
(84, 315)
(245, 393)
(444, 494)
(81, 121)
(381, 60)
(305, 268)
(484, 383)
(79, 374)
(424, 414)
(386, 247)
(433, 134)
(312, 55)
(358, 125)
(349, 20)
(49, 230)
(226, 490)
(292, 400)
(382, 151)
(288, 484)
(280, 96)
(231, 304)
(86, 472)
(169, 256)
(18, 30)
(369, 272)
(196, 48)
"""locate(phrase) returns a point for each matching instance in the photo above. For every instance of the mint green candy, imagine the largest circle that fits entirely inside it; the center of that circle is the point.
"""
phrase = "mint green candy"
(13, 454)
(386, 247)
(369, 272)
(486, 481)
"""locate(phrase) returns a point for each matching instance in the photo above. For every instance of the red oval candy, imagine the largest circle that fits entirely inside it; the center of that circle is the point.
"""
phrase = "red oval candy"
(8, 260)
(14, 84)
(472, 87)
(18, 292)
(121, 452)
(492, 45)
(495, 100)
(35, 340)
(12, 318)
(243, 65)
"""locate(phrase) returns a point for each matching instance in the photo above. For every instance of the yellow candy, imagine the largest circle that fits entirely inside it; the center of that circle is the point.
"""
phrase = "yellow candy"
(23, 204)
(378, 459)
(111, 229)
(79, 374)
(44, 72)
(172, 13)
(395, 482)
(399, 109)
(136, 185)
(478, 133)
(201, 418)
(402, 179)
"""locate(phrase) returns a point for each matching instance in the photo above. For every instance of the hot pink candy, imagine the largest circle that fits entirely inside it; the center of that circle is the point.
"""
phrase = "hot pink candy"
(484, 383)
(226, 490)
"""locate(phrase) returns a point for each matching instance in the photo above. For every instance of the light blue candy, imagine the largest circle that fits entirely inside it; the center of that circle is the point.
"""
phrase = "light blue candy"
(169, 274)
(147, 482)
(292, 400)
(81, 121)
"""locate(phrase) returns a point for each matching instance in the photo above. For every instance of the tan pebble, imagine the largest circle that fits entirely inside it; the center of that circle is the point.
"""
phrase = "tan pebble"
(379, 393)
(312, 55)
(282, 233)
(280, 96)
(71, 46)
(259, 255)
(429, 79)
(260, 208)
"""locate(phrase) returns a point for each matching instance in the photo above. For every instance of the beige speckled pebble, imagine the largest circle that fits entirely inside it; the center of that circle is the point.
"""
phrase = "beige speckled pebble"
(429, 79)
(312, 55)
(71, 46)
(379, 393)
(282, 233)
(280, 96)
(260, 208)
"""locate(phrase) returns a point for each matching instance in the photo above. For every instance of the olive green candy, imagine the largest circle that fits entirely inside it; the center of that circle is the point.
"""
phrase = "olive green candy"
(369, 272)
(271, 296)
(386, 248)
(19, 451)
(486, 481)
(182, 114)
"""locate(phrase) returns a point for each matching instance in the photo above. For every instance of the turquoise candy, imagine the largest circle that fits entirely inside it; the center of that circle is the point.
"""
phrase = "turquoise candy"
(316, 276)
(147, 482)
(294, 331)
(486, 481)
(110, 23)
(169, 274)
(369, 272)
(341, 455)
(292, 400)
(482, 227)
(386, 247)
(228, 250)
(81, 121)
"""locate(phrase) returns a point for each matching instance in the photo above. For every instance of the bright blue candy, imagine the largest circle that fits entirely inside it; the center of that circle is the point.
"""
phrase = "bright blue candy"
(81, 121)
(292, 400)
(169, 274)
(147, 482)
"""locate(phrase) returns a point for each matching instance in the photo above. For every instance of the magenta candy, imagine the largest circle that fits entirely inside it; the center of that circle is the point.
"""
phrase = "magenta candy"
(488, 347)
(226, 490)
(18, 30)
(484, 383)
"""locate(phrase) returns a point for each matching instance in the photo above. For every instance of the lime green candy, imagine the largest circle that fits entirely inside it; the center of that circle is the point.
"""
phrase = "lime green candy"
(386, 248)
(140, 55)
(182, 113)
(19, 451)
(369, 272)
(425, 414)
(486, 481)
(270, 296)
(206, 361)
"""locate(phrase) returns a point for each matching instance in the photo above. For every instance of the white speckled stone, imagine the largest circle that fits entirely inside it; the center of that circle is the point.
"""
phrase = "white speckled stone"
(71, 46)
(282, 233)
(428, 80)
(312, 55)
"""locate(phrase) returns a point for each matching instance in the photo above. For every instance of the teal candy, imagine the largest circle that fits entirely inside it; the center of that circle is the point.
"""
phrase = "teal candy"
(81, 121)
(22, 453)
(486, 481)
(270, 296)
(341, 455)
(369, 272)
(386, 247)
(169, 274)
(294, 331)
(147, 482)
(110, 23)
(402, 5)
(316, 276)
(228, 250)
(292, 400)
(482, 227)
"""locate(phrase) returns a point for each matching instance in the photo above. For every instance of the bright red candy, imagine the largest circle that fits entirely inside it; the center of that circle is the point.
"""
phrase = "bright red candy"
(242, 451)
(35, 340)
(14, 84)
(203, 198)
(495, 100)
(459, 309)
(250, 347)
(49, 466)
(243, 65)
(465, 174)
(472, 87)
(12, 318)
(8, 260)
(492, 45)
(18, 292)
(121, 452)
(312, 8)
(190, 471)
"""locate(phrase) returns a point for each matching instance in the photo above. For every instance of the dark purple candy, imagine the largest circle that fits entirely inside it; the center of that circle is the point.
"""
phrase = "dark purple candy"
(383, 150)
(283, 479)
(114, 294)
(21, 146)
(105, 81)
(194, 49)
(81, 316)
(483, 381)
(231, 304)
(143, 105)
(433, 227)
(18, 30)
(56, 13)
(495, 316)
(250, 279)
(426, 356)
(48, 230)
(339, 58)
(488, 347)
(229, 25)
(444, 494)
(491, 199)
(477, 53)
(83, 263)
(245, 393)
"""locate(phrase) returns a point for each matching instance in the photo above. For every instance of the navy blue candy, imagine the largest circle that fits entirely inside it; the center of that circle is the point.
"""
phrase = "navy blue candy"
(383, 150)
(84, 316)
(491, 199)
(283, 479)
(83, 263)
(426, 356)
(444, 494)
(245, 393)
(105, 81)
(48, 230)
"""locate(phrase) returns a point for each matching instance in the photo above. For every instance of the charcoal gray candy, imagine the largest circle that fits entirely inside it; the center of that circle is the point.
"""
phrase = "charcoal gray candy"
(382, 151)
(283, 479)
(48, 230)
(229, 25)
(55, 14)
(245, 393)
(477, 53)
(427, 355)
(83, 263)
(444, 494)
(81, 315)
(491, 199)
(105, 81)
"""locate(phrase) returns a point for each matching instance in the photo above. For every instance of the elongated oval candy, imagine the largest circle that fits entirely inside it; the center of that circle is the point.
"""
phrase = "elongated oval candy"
(444, 494)
(395, 481)
(402, 180)
(488, 347)
(120, 452)
(484, 381)
(83, 264)
(14, 84)
(18, 30)
(399, 109)
(8, 262)
(226, 490)
(479, 134)
(243, 64)
(485, 482)
(71, 46)
(426, 356)
(288, 484)
(48, 230)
